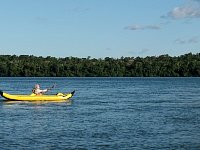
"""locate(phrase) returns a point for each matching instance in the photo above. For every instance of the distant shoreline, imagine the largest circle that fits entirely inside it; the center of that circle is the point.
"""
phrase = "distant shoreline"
(187, 65)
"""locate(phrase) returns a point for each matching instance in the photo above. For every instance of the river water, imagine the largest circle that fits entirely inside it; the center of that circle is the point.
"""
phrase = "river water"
(104, 114)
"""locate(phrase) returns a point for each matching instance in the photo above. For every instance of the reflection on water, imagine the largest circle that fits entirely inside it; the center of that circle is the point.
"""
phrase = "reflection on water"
(7, 102)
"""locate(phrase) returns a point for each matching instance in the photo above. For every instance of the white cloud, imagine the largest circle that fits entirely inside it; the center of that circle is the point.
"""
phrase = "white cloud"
(192, 40)
(141, 27)
(184, 12)
(179, 41)
(191, 9)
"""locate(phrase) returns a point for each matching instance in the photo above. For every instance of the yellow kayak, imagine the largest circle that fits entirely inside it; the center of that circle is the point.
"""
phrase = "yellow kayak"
(33, 97)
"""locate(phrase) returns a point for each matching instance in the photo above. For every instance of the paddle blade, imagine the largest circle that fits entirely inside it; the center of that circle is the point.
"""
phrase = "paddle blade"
(72, 93)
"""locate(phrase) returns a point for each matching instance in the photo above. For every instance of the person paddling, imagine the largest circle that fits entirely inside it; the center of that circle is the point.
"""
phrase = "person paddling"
(36, 90)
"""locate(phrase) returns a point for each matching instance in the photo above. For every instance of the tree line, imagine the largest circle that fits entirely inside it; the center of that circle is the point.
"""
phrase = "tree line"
(187, 65)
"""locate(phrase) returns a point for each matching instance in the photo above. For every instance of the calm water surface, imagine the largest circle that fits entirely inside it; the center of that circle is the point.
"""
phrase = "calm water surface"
(105, 113)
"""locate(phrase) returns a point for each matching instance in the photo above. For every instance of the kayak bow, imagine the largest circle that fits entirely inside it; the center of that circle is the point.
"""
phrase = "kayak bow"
(33, 97)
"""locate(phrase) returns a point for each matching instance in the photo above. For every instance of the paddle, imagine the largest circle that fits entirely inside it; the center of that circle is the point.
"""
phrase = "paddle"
(53, 86)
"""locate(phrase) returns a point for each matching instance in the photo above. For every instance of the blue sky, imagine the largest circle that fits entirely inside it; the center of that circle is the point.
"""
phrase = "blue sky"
(99, 28)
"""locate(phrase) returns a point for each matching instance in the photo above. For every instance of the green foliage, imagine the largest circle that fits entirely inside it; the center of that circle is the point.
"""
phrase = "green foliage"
(187, 65)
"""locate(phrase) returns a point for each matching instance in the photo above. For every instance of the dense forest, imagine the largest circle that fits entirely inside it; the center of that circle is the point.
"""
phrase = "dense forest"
(187, 65)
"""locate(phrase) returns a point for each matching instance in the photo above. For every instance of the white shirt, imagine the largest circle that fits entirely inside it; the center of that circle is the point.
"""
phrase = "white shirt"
(38, 91)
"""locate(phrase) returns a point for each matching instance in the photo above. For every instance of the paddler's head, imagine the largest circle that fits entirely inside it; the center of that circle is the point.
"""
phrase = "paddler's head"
(37, 86)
